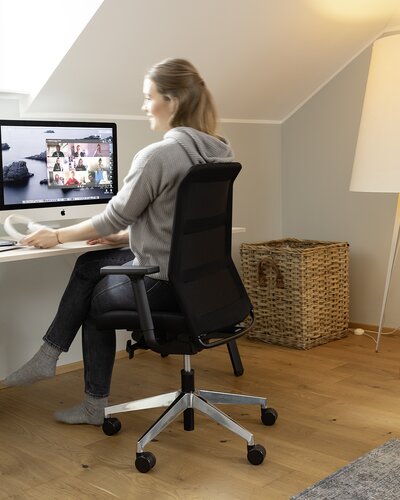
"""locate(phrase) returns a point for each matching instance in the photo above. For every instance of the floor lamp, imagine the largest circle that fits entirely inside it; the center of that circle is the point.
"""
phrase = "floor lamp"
(377, 160)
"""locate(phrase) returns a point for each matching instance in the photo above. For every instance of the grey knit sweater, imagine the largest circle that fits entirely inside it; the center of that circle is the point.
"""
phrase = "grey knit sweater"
(145, 204)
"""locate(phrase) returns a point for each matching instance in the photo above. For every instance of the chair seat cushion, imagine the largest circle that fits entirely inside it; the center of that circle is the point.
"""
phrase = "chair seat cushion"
(170, 329)
(129, 320)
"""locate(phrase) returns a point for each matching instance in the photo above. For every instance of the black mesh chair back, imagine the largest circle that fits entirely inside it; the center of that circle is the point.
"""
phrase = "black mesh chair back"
(209, 289)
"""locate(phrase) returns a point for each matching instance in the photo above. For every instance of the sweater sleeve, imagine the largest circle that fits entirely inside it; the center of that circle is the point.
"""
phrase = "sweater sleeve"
(141, 187)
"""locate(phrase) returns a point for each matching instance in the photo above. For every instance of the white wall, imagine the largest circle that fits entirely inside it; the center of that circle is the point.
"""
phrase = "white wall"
(318, 150)
(31, 289)
(257, 192)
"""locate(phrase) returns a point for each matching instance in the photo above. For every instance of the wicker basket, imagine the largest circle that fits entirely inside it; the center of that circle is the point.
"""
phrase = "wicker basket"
(299, 290)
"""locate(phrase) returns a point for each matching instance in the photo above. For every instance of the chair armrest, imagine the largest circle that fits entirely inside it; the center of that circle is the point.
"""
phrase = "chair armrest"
(132, 271)
(137, 274)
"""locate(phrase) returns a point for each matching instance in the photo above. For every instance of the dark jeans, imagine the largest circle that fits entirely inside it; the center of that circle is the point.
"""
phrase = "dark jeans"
(86, 294)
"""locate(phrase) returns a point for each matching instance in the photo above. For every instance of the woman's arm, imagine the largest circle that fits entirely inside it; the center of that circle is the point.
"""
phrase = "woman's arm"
(47, 237)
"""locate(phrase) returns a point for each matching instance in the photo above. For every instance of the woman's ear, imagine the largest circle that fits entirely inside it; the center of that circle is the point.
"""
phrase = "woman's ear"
(173, 103)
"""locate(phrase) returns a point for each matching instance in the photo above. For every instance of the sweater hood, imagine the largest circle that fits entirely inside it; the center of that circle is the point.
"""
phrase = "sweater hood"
(201, 147)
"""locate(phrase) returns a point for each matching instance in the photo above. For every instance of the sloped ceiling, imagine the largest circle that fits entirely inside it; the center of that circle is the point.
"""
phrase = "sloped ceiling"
(261, 58)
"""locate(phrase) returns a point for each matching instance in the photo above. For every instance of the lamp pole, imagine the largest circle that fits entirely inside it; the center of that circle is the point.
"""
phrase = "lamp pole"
(394, 248)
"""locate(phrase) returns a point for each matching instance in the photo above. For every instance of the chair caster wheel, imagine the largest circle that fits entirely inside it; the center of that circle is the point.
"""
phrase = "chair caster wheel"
(111, 426)
(268, 416)
(256, 454)
(145, 461)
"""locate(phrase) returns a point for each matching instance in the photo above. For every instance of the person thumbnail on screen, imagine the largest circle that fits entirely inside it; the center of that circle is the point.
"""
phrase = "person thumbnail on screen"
(58, 152)
(57, 167)
(77, 151)
(72, 181)
(90, 180)
(81, 166)
(98, 164)
(99, 149)
(56, 180)
(102, 177)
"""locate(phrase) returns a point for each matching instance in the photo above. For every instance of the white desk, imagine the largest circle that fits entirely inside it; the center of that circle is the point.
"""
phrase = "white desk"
(27, 253)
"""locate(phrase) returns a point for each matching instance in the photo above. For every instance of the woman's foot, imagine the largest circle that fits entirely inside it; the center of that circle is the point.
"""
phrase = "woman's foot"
(91, 411)
(42, 366)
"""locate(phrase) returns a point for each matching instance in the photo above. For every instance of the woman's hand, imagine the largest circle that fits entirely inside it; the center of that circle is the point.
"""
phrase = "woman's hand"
(44, 237)
(121, 238)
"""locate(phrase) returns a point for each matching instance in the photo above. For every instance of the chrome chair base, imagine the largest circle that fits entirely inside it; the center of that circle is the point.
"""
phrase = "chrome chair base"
(178, 401)
(185, 401)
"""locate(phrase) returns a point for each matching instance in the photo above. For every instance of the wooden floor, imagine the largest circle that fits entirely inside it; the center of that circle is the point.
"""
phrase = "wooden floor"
(335, 402)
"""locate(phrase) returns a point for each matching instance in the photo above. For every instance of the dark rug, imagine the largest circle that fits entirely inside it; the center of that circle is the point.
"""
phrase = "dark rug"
(375, 475)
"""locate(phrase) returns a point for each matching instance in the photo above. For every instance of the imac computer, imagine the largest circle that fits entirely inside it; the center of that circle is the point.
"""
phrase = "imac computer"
(53, 170)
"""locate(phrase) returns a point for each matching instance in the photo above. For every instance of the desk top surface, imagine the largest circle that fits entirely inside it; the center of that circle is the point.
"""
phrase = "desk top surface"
(26, 253)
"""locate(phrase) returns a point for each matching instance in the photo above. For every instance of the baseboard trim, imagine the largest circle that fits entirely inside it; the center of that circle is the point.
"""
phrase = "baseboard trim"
(78, 365)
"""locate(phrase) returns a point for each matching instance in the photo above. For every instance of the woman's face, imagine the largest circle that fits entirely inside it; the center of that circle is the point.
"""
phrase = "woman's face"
(156, 107)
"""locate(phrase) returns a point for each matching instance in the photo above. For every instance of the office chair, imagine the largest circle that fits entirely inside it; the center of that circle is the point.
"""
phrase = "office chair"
(214, 305)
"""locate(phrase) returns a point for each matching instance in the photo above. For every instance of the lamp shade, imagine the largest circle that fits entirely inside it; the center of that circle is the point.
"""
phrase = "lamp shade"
(377, 159)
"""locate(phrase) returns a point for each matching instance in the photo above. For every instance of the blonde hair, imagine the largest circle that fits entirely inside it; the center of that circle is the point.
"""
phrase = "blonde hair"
(179, 79)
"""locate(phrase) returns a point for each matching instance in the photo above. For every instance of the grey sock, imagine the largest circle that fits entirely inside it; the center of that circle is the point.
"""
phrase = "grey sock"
(40, 367)
(91, 411)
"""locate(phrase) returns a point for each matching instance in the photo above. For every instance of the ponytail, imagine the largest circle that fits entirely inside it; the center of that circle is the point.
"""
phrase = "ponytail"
(179, 79)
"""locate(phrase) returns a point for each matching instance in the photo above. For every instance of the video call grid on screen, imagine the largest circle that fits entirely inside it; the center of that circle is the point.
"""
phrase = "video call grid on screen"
(77, 163)
(57, 163)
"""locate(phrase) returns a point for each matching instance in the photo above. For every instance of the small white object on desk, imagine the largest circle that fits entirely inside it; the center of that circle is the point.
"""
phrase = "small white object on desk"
(19, 219)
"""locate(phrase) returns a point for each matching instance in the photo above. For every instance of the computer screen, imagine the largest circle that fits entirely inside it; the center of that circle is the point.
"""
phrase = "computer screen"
(53, 170)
